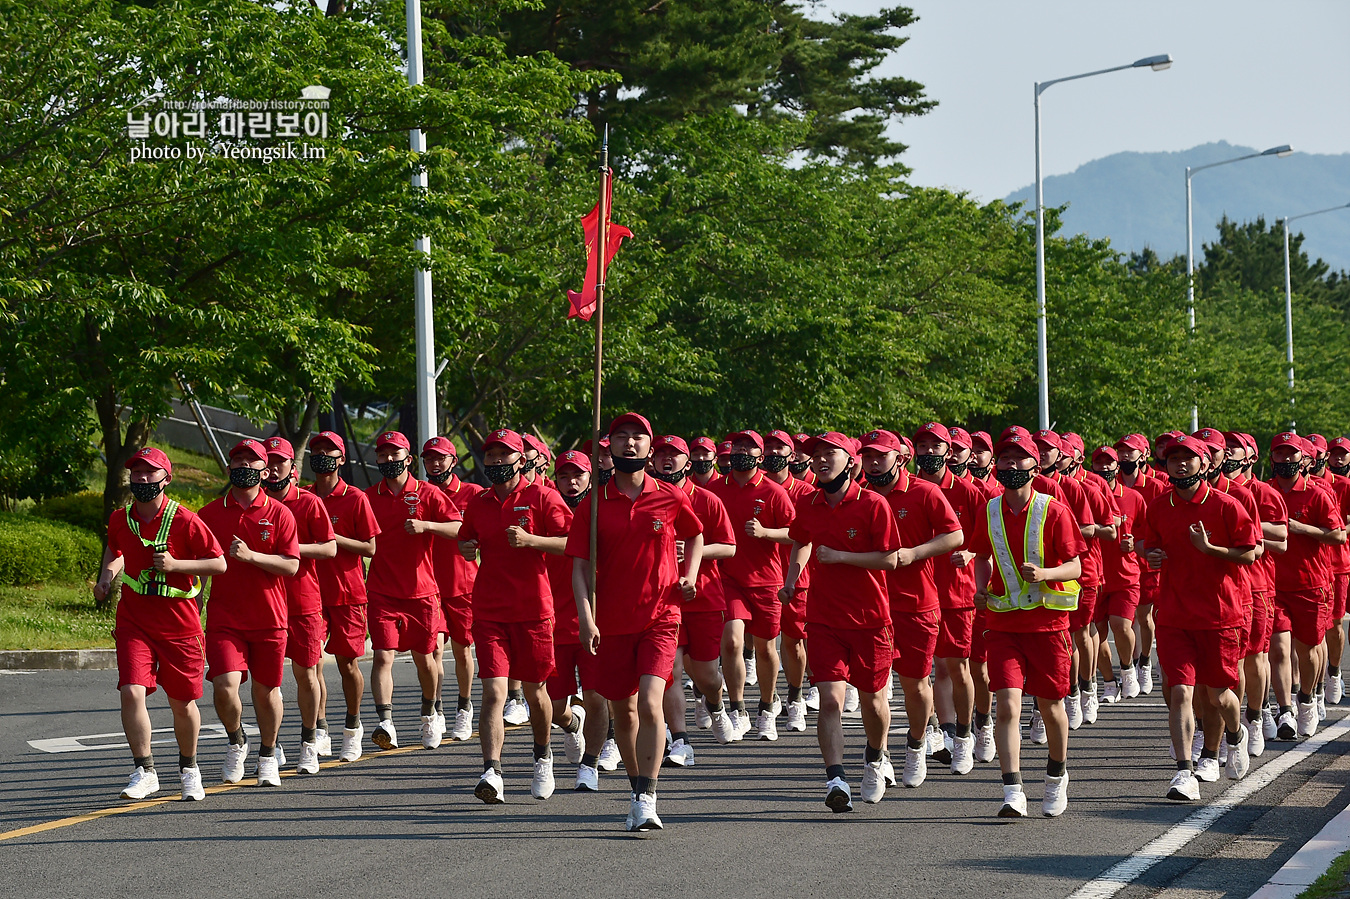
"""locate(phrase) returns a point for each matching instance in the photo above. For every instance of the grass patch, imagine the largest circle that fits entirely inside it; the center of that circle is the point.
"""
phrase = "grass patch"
(53, 616)
(1334, 884)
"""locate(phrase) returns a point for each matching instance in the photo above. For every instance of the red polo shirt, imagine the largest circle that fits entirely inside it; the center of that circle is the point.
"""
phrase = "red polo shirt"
(956, 586)
(454, 573)
(921, 512)
(1244, 496)
(566, 627)
(342, 579)
(189, 539)
(245, 597)
(716, 529)
(1063, 541)
(637, 577)
(1340, 490)
(303, 594)
(757, 562)
(796, 488)
(1121, 569)
(845, 596)
(402, 567)
(512, 583)
(1304, 565)
(1270, 509)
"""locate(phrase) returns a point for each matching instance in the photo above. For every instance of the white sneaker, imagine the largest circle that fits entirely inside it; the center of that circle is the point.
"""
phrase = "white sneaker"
(935, 744)
(1056, 795)
(1335, 689)
(351, 743)
(1256, 740)
(1307, 718)
(516, 712)
(702, 717)
(323, 743)
(609, 758)
(541, 784)
(269, 772)
(723, 728)
(1239, 762)
(812, 699)
(765, 726)
(192, 784)
(490, 789)
(751, 673)
(837, 795)
(890, 687)
(873, 784)
(916, 767)
(985, 747)
(851, 700)
(1111, 693)
(796, 717)
(574, 745)
(1223, 751)
(1037, 729)
(1197, 745)
(642, 814)
(776, 707)
(1145, 670)
(1014, 802)
(279, 753)
(887, 770)
(1073, 705)
(233, 770)
(1207, 770)
(1184, 787)
(1321, 699)
(309, 759)
(742, 722)
(141, 784)
(433, 731)
(1129, 683)
(588, 779)
(963, 754)
(1090, 704)
(384, 735)
(463, 728)
(681, 754)
(1286, 728)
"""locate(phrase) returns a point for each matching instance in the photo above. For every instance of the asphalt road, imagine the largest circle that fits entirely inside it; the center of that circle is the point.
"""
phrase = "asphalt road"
(748, 819)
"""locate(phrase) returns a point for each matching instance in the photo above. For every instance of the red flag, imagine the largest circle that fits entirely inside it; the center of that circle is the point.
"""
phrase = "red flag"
(583, 303)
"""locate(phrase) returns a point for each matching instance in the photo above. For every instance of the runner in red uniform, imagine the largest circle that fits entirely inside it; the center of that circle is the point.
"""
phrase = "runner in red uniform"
(779, 447)
(1133, 451)
(1119, 601)
(1339, 483)
(800, 466)
(702, 460)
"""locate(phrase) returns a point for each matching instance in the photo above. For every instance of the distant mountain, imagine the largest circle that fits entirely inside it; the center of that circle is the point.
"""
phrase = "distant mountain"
(1139, 199)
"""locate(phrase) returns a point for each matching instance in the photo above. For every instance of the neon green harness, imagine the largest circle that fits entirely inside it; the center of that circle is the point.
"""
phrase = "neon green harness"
(151, 582)
(1022, 595)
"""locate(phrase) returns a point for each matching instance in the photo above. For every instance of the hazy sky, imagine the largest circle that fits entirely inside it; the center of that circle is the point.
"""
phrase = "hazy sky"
(1252, 73)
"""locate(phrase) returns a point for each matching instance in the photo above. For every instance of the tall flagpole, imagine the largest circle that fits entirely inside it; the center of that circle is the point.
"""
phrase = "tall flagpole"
(602, 244)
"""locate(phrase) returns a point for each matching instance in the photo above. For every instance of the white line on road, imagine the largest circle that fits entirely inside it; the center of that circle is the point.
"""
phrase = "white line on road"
(97, 742)
(1126, 872)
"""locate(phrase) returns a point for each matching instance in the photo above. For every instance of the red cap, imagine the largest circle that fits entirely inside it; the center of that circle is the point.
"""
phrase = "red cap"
(831, 438)
(539, 446)
(631, 418)
(799, 441)
(1319, 442)
(909, 447)
(1050, 439)
(280, 446)
(1233, 438)
(882, 441)
(507, 438)
(961, 437)
(752, 436)
(439, 446)
(586, 447)
(1287, 438)
(1210, 438)
(152, 456)
(782, 437)
(1189, 444)
(1016, 438)
(1014, 431)
(1073, 442)
(328, 437)
(706, 443)
(981, 439)
(1339, 443)
(573, 457)
(1105, 452)
(724, 449)
(672, 441)
(393, 438)
(937, 430)
(1135, 442)
(252, 447)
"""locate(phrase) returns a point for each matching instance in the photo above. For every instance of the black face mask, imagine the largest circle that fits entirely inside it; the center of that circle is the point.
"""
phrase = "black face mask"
(1231, 466)
(1318, 466)
(1128, 467)
(278, 486)
(574, 501)
(245, 478)
(439, 478)
(743, 462)
(629, 466)
(774, 464)
(323, 464)
(1341, 470)
(501, 474)
(145, 493)
(798, 468)
(1014, 478)
(1049, 470)
(1186, 483)
(1212, 474)
(958, 468)
(886, 477)
(723, 469)
(931, 463)
(393, 469)
(1285, 469)
(702, 466)
(670, 477)
(1109, 475)
(977, 472)
(605, 475)
(836, 484)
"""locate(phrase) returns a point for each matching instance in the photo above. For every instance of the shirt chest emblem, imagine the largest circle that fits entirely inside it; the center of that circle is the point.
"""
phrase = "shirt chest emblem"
(266, 526)
(411, 500)
(658, 525)
(759, 506)
(852, 533)
(903, 513)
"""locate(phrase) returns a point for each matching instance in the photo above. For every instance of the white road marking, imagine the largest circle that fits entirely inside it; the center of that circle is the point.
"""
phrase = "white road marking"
(1126, 872)
(118, 740)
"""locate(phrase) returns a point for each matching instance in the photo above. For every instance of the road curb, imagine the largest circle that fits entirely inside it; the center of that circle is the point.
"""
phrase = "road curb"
(1310, 862)
(60, 659)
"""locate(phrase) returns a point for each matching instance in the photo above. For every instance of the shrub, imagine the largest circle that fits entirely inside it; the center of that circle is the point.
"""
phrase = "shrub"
(84, 510)
(34, 550)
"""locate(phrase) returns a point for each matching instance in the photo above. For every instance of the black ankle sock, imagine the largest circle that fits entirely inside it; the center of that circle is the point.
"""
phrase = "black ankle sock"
(712, 709)
(833, 771)
(962, 730)
(794, 693)
(1013, 778)
(1074, 689)
(542, 752)
(1209, 754)
(981, 719)
(1253, 715)
(644, 785)
(517, 695)
(352, 722)
(145, 761)
(267, 752)
(321, 724)
(1084, 684)
(236, 737)
(1185, 765)
(186, 761)
(307, 734)
(698, 694)
(738, 705)
(871, 755)
(573, 724)
(1124, 667)
(678, 735)
(949, 729)
(1286, 708)
(384, 712)
(1333, 670)
(1233, 737)
(462, 703)
(1054, 768)
(588, 759)
(1304, 697)
(609, 735)
(427, 706)
(913, 743)
(438, 707)
(494, 764)
(766, 706)
(748, 651)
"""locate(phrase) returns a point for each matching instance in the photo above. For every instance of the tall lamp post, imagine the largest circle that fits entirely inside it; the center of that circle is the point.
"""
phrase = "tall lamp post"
(1281, 151)
(1289, 303)
(425, 339)
(1157, 64)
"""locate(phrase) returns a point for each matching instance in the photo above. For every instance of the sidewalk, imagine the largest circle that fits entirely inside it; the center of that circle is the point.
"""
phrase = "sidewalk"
(81, 659)
(1310, 862)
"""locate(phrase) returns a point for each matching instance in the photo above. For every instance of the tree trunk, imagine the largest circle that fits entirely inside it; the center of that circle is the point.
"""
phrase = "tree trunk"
(117, 449)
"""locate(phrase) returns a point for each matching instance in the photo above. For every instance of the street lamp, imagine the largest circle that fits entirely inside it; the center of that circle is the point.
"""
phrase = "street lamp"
(1281, 151)
(1157, 64)
(1289, 304)
(423, 331)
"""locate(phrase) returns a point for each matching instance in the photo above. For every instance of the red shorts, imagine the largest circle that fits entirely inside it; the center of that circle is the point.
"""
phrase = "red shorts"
(261, 653)
(1306, 614)
(1036, 663)
(1148, 588)
(522, 650)
(176, 662)
(404, 625)
(955, 634)
(1116, 604)
(457, 617)
(1086, 612)
(1259, 627)
(758, 607)
(1339, 586)
(859, 656)
(570, 664)
(914, 636)
(304, 639)
(624, 659)
(701, 635)
(346, 630)
(1210, 657)
(793, 619)
(978, 652)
